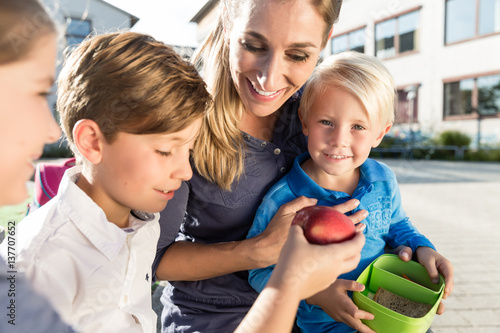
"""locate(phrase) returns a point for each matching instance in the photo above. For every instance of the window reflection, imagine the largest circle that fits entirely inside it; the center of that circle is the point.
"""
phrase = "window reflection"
(353, 41)
(384, 35)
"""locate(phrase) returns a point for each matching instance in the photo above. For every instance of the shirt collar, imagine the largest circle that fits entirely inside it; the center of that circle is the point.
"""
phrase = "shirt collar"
(301, 184)
(89, 218)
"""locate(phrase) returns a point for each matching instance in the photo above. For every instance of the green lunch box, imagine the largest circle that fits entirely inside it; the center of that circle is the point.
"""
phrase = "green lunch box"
(387, 272)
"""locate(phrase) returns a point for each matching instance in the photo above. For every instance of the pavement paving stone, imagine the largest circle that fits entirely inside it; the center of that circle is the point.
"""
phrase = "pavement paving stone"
(455, 204)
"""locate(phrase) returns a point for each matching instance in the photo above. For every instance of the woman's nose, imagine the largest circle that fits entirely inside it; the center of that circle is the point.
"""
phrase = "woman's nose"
(271, 73)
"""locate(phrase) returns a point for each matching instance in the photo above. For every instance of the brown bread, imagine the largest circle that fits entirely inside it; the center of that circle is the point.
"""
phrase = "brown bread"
(401, 304)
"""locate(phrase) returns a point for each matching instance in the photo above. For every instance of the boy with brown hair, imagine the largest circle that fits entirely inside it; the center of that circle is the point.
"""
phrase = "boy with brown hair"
(131, 109)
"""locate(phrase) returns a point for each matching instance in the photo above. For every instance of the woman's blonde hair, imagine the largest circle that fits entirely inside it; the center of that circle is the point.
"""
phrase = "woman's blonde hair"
(129, 82)
(22, 23)
(364, 76)
(219, 151)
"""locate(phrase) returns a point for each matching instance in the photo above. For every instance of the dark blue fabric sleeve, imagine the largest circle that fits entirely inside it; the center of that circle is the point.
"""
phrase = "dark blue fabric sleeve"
(170, 221)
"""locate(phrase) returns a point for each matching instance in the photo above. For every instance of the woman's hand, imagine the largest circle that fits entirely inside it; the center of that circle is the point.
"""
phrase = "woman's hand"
(269, 243)
(338, 305)
(310, 268)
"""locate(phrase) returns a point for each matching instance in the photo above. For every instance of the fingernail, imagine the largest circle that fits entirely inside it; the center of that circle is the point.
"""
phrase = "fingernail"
(405, 255)
(356, 203)
(362, 226)
(435, 281)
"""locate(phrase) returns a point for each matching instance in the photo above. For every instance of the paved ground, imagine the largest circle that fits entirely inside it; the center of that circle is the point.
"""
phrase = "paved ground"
(456, 205)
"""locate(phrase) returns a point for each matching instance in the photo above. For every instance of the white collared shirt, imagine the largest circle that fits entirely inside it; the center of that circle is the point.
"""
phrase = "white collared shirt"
(96, 275)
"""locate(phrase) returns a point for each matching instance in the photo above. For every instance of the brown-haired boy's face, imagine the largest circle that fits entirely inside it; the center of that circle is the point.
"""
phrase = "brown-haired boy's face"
(142, 172)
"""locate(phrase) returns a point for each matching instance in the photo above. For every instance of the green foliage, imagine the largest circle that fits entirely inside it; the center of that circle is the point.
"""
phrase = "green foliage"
(453, 138)
(486, 155)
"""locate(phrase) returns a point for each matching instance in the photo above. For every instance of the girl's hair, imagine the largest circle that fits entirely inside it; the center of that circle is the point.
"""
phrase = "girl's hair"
(364, 76)
(219, 151)
(22, 23)
(129, 82)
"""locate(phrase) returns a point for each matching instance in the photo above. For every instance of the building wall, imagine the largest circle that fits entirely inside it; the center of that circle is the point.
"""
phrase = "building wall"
(433, 64)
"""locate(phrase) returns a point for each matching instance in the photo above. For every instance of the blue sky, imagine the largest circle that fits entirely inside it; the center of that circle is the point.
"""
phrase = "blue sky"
(166, 20)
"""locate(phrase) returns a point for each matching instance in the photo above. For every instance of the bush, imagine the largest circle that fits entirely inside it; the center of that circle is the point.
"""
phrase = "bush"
(453, 138)
(488, 155)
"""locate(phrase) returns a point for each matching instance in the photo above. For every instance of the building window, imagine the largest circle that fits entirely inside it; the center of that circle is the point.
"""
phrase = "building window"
(352, 41)
(466, 19)
(397, 35)
(488, 94)
(464, 97)
(76, 31)
(406, 106)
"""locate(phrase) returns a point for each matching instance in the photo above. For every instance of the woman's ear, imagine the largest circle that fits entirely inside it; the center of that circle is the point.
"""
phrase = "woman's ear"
(88, 140)
(384, 131)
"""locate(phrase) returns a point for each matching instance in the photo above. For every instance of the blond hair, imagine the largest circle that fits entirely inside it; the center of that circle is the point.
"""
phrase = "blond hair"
(129, 82)
(219, 152)
(22, 23)
(364, 76)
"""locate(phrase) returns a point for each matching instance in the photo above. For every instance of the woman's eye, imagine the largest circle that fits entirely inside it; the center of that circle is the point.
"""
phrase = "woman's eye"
(298, 57)
(251, 48)
(162, 153)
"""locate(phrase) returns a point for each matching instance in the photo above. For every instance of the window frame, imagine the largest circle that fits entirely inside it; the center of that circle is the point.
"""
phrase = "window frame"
(67, 34)
(398, 54)
(474, 97)
(476, 24)
(412, 118)
(347, 35)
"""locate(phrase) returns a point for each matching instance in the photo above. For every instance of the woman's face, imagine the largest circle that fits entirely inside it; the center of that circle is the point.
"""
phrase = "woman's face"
(26, 122)
(274, 47)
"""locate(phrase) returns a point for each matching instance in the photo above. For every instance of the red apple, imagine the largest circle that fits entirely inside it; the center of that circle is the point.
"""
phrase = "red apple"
(324, 225)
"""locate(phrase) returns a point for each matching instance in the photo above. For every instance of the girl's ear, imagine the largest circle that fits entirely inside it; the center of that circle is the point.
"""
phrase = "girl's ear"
(89, 140)
(384, 131)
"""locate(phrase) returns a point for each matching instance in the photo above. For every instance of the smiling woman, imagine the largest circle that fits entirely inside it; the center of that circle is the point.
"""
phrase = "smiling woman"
(255, 62)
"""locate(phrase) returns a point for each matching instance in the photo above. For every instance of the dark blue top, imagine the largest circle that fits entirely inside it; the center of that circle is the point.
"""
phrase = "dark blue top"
(212, 215)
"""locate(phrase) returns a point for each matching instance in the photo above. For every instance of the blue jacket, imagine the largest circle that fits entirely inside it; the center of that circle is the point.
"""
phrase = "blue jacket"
(386, 224)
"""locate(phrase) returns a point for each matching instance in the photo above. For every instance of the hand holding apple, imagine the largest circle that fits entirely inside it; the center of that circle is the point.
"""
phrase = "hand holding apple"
(324, 225)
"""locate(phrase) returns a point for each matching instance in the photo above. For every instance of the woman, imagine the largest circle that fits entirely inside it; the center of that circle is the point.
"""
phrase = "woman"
(254, 62)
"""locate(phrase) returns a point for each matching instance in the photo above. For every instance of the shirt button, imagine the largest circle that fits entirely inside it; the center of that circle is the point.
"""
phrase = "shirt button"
(282, 169)
(246, 137)
(277, 151)
(263, 143)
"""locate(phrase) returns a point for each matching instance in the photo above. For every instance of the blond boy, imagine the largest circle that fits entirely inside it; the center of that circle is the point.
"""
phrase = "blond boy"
(131, 110)
(346, 109)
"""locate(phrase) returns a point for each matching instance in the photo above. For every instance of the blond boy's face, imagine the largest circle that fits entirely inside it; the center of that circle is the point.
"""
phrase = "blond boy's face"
(26, 122)
(142, 172)
(340, 134)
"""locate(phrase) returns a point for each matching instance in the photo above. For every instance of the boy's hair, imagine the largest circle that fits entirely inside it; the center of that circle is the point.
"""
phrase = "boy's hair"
(129, 82)
(365, 77)
(22, 23)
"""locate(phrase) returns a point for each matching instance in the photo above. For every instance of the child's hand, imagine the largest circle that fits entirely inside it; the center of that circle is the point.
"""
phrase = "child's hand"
(310, 268)
(338, 305)
(437, 264)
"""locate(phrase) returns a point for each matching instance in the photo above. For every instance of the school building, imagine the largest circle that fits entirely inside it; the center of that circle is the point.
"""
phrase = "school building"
(443, 54)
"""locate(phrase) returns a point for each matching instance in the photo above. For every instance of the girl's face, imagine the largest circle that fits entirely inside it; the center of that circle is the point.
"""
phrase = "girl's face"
(274, 47)
(26, 122)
